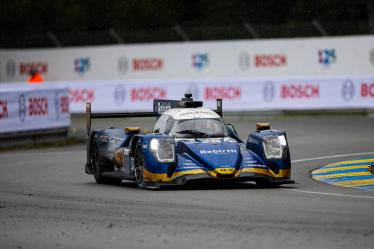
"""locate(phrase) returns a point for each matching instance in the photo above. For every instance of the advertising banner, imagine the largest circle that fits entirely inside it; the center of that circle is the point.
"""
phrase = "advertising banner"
(270, 58)
(25, 109)
(348, 92)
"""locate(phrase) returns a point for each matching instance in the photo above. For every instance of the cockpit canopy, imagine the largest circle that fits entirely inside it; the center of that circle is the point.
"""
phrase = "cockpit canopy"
(191, 123)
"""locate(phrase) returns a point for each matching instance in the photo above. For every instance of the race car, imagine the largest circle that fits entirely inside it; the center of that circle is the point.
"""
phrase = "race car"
(188, 143)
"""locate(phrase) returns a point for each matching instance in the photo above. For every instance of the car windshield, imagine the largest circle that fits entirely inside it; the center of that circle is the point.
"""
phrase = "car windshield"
(202, 127)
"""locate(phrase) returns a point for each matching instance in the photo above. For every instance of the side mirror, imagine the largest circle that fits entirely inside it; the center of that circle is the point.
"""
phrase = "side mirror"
(232, 132)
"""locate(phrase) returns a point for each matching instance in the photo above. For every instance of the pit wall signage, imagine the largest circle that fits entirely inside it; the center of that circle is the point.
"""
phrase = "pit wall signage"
(348, 92)
(27, 108)
(267, 58)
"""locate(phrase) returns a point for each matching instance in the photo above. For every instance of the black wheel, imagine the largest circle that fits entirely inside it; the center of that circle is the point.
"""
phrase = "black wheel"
(139, 166)
(96, 163)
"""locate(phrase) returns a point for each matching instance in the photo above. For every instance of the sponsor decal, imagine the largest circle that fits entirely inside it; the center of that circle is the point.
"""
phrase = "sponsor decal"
(123, 64)
(348, 90)
(64, 104)
(81, 95)
(300, 91)
(268, 91)
(148, 93)
(372, 56)
(367, 90)
(108, 139)
(270, 60)
(119, 94)
(38, 106)
(163, 106)
(244, 61)
(22, 107)
(3, 109)
(327, 56)
(82, 65)
(26, 67)
(223, 92)
(200, 61)
(61, 105)
(11, 68)
(219, 151)
(147, 64)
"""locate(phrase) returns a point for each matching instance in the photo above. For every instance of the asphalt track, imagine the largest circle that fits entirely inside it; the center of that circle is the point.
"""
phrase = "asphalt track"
(46, 200)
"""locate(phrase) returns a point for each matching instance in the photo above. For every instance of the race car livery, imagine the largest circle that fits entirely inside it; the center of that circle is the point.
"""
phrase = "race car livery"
(188, 143)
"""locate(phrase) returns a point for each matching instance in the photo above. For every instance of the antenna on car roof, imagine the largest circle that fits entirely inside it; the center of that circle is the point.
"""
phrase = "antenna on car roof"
(188, 95)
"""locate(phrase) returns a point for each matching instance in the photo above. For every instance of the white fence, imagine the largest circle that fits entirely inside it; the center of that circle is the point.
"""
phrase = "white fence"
(238, 95)
(311, 57)
(280, 74)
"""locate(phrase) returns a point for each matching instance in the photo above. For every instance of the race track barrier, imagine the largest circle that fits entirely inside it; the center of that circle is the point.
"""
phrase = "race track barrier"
(29, 114)
(325, 93)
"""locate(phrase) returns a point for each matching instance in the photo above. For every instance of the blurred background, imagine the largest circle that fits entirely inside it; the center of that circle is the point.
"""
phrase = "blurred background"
(43, 23)
(275, 56)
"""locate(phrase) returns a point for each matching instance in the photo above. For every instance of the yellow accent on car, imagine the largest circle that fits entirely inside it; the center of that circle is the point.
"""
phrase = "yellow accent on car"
(262, 126)
(162, 177)
(134, 130)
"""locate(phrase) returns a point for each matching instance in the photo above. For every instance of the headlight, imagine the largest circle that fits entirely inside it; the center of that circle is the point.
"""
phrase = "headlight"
(273, 146)
(163, 150)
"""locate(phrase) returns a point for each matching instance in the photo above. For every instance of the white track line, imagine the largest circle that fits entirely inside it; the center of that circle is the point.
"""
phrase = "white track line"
(331, 194)
(332, 156)
(327, 157)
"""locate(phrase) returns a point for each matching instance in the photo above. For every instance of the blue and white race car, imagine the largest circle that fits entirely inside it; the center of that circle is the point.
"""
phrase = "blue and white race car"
(188, 143)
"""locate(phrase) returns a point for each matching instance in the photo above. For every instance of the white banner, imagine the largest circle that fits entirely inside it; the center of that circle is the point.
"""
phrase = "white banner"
(26, 108)
(272, 58)
(348, 92)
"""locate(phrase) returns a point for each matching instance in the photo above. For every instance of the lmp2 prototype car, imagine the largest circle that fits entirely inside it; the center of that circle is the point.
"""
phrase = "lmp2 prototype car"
(188, 143)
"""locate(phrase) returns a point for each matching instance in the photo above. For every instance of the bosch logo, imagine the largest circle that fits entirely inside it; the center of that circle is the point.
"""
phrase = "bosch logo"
(271, 60)
(147, 64)
(26, 67)
(300, 91)
(3, 109)
(200, 61)
(82, 65)
(148, 93)
(372, 56)
(268, 91)
(38, 106)
(119, 94)
(327, 57)
(22, 107)
(244, 61)
(222, 92)
(348, 90)
(11, 68)
(81, 95)
(123, 64)
(367, 90)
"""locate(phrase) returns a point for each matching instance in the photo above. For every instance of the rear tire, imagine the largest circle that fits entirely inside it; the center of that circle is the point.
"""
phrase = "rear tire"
(97, 166)
(139, 166)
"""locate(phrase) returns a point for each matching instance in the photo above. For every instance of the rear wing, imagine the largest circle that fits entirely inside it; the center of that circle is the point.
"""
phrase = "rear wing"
(159, 106)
